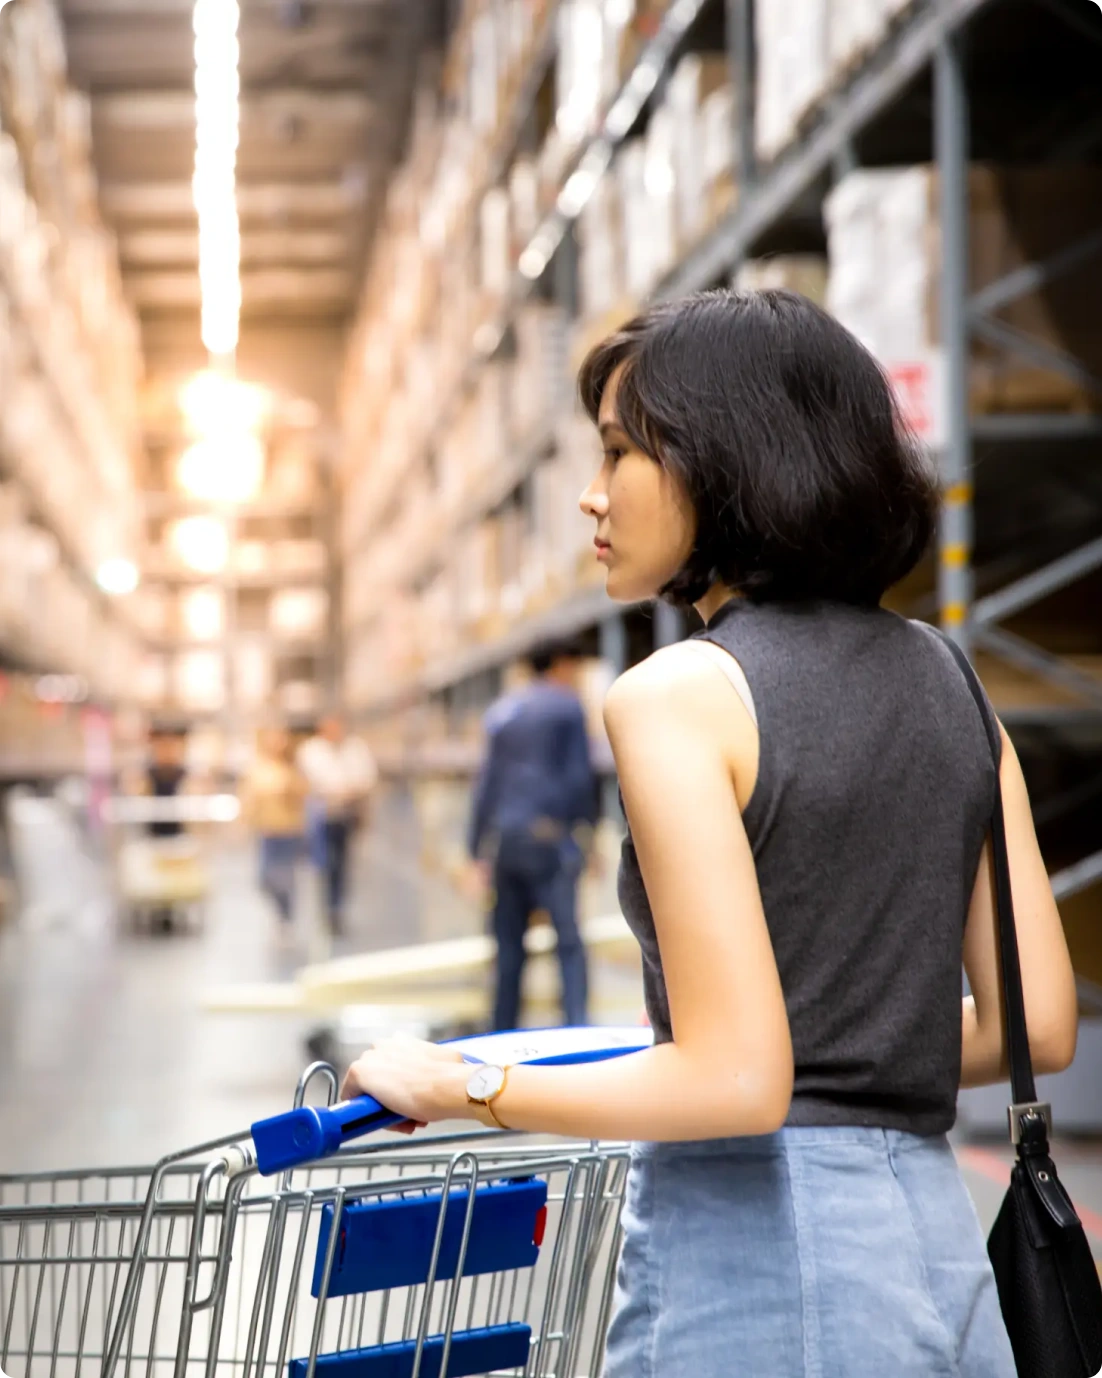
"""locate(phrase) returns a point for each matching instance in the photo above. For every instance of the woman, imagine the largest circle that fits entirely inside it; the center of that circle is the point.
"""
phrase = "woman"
(274, 806)
(807, 786)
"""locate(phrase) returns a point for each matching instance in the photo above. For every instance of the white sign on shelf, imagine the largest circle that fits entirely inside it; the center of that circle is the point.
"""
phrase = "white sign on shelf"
(919, 384)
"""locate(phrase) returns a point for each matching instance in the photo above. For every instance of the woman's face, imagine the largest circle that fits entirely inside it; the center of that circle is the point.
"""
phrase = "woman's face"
(645, 523)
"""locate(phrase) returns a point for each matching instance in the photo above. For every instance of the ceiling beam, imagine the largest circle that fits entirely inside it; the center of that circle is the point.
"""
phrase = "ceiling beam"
(321, 200)
(172, 291)
(151, 248)
(175, 109)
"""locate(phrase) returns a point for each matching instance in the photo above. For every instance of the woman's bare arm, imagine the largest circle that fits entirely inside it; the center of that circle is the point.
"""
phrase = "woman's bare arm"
(1047, 977)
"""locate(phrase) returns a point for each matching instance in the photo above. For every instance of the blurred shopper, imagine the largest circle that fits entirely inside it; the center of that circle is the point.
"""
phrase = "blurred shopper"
(166, 775)
(535, 789)
(342, 775)
(808, 787)
(273, 805)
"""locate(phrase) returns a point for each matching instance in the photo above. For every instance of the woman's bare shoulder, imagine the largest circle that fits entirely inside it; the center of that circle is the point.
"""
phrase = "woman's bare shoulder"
(678, 679)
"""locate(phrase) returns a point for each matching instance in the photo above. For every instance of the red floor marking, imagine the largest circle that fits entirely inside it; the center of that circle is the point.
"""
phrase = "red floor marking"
(997, 1170)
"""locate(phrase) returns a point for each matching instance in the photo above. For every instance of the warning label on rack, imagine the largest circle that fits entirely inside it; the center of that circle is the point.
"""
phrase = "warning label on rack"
(919, 386)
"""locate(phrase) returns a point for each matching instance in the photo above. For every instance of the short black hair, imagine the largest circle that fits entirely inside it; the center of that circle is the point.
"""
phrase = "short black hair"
(544, 654)
(785, 433)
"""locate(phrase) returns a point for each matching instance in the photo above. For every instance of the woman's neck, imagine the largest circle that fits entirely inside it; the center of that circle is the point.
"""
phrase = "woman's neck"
(713, 600)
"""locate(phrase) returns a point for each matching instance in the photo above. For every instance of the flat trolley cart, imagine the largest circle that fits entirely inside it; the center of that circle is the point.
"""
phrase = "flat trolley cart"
(166, 877)
(486, 1253)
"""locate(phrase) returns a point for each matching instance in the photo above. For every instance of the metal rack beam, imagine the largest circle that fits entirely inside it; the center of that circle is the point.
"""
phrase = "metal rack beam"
(1043, 426)
(1031, 276)
(1042, 582)
(1028, 656)
(1072, 879)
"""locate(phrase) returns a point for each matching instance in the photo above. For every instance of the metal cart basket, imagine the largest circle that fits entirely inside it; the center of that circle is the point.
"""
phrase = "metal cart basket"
(485, 1253)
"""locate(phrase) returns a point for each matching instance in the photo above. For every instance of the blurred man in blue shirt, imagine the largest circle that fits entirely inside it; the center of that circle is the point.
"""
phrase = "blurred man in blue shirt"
(536, 789)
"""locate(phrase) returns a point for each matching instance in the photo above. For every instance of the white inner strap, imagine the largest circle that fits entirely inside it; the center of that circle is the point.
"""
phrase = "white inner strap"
(730, 667)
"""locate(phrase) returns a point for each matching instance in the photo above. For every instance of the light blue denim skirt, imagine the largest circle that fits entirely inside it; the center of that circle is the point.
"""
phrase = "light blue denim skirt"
(810, 1253)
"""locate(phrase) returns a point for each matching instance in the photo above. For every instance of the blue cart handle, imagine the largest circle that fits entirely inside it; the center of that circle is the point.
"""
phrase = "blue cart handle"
(314, 1131)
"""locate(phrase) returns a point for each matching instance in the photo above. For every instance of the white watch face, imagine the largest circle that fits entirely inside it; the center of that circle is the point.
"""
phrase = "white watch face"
(485, 1082)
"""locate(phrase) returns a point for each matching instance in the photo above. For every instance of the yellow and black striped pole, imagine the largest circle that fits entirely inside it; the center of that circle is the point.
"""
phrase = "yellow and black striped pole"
(955, 583)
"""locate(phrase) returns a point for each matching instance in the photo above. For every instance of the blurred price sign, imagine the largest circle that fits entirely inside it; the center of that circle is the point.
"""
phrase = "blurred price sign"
(919, 386)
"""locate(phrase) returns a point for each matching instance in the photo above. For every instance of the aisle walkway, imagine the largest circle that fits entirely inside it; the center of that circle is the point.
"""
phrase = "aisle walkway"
(107, 1055)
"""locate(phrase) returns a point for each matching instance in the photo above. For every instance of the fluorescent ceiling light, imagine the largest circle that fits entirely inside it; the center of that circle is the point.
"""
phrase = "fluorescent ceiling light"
(202, 543)
(224, 468)
(213, 403)
(117, 576)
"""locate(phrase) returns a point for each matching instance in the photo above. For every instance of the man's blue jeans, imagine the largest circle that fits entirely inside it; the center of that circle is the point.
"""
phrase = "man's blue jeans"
(278, 859)
(530, 874)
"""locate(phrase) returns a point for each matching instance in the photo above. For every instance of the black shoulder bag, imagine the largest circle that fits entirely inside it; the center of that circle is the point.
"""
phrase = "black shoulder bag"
(1048, 1283)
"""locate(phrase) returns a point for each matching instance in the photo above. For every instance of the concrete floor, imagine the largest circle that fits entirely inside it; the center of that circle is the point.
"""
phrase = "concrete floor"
(108, 1057)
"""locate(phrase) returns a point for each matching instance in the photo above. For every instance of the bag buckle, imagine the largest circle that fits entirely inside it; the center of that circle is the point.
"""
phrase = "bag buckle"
(1016, 1113)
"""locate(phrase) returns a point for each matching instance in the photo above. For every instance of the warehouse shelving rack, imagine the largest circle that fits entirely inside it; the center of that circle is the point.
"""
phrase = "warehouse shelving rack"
(922, 66)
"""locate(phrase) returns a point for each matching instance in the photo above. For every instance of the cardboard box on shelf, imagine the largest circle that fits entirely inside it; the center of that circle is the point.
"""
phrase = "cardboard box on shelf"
(644, 18)
(717, 139)
(540, 374)
(199, 680)
(253, 674)
(482, 82)
(793, 68)
(637, 245)
(660, 185)
(602, 239)
(698, 163)
(201, 614)
(152, 684)
(855, 27)
(524, 202)
(292, 471)
(298, 556)
(299, 613)
(579, 69)
(885, 266)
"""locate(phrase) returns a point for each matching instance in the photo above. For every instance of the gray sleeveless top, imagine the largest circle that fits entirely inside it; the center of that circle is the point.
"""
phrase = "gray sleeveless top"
(875, 786)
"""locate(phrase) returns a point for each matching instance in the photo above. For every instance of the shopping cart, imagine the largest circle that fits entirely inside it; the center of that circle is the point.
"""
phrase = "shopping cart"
(166, 876)
(477, 1254)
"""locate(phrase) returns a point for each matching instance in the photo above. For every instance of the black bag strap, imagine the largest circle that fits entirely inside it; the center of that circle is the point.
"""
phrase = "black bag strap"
(1023, 1088)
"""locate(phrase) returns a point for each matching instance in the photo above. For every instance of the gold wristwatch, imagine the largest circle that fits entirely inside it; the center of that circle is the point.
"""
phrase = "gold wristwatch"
(486, 1083)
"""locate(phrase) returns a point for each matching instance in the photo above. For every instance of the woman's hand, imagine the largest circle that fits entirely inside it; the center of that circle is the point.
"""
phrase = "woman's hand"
(421, 1081)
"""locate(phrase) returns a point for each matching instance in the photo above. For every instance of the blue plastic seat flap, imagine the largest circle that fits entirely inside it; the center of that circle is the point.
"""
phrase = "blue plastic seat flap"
(389, 1243)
